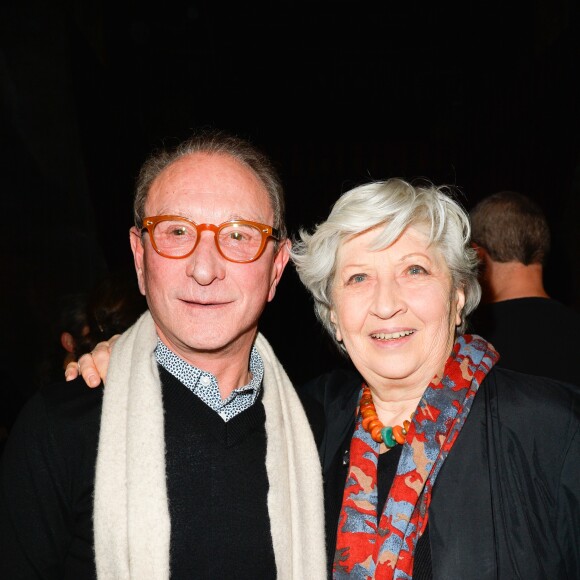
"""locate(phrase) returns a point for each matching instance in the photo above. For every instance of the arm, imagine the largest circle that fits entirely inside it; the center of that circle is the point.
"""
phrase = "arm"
(94, 365)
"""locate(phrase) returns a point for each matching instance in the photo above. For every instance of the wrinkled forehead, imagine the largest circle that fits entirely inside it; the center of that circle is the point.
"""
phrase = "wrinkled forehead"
(386, 235)
(214, 183)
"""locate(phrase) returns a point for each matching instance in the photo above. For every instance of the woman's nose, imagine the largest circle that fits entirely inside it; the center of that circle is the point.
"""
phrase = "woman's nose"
(388, 299)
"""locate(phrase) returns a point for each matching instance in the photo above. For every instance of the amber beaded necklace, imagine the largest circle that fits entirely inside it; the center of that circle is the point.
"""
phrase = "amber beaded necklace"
(390, 436)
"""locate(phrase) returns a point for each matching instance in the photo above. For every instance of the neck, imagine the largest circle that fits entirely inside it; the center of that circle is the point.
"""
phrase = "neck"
(394, 408)
(509, 280)
(230, 365)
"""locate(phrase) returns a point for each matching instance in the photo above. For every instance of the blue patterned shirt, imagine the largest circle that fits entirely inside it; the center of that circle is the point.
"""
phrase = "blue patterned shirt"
(205, 385)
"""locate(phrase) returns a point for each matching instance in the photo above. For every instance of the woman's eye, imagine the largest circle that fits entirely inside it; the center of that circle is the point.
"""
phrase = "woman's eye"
(416, 270)
(357, 278)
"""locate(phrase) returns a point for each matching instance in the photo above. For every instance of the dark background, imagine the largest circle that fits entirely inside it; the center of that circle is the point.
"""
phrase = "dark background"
(481, 95)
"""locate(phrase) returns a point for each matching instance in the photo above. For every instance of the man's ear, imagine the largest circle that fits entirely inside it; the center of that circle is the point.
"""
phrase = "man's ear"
(137, 249)
(278, 266)
(480, 250)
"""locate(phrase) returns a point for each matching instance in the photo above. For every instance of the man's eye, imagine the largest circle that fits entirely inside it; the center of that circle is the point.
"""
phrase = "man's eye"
(237, 236)
(178, 232)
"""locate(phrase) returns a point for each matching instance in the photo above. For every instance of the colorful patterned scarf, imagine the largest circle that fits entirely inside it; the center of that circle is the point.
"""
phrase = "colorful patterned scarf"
(384, 552)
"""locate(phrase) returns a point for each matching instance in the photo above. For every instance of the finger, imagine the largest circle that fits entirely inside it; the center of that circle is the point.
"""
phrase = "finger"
(89, 371)
(100, 360)
(71, 372)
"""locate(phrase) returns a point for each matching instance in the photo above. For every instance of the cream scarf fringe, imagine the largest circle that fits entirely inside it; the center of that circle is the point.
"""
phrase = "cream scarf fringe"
(131, 515)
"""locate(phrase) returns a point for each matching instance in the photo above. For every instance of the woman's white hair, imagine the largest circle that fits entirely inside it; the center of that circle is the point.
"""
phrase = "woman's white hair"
(392, 205)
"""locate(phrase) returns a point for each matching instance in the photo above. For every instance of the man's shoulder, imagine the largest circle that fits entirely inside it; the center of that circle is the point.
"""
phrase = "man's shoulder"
(66, 410)
(72, 398)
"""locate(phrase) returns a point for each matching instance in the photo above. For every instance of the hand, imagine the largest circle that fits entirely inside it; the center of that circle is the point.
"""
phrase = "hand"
(94, 365)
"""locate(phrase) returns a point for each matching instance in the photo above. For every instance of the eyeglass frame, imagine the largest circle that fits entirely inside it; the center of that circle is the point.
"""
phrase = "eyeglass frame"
(267, 232)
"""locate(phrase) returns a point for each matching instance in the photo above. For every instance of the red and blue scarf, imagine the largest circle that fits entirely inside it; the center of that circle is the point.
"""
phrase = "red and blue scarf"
(383, 549)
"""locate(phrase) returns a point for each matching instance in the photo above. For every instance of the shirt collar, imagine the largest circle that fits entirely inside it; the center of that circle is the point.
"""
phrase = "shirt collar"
(205, 385)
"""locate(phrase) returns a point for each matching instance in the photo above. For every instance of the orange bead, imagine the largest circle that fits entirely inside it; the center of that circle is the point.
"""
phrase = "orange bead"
(367, 420)
(398, 434)
(376, 433)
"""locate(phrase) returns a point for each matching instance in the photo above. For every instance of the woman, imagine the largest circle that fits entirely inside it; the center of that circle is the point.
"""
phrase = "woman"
(474, 470)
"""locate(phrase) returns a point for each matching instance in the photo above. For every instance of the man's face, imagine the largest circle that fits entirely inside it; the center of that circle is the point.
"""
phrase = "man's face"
(204, 305)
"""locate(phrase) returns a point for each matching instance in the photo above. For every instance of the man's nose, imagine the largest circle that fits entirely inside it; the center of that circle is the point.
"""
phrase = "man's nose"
(206, 264)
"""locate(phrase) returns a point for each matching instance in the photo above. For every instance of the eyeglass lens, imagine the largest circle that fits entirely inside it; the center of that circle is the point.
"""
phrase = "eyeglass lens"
(238, 242)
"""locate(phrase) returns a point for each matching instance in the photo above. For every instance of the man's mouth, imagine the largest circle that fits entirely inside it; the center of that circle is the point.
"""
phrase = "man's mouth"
(203, 303)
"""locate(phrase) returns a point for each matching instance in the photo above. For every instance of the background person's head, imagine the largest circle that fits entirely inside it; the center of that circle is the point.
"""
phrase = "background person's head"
(65, 339)
(511, 227)
(72, 325)
(512, 238)
(390, 207)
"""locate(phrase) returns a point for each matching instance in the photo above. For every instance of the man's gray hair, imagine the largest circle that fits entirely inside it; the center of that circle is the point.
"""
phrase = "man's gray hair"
(213, 141)
(392, 205)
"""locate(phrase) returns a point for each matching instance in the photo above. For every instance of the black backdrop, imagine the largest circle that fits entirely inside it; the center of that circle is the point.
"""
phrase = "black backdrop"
(482, 96)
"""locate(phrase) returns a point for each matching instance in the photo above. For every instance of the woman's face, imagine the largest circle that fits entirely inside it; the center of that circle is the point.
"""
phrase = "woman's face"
(394, 309)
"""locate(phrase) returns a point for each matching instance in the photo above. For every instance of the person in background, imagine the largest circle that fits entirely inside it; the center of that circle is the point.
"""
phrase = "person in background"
(197, 460)
(67, 337)
(86, 318)
(64, 339)
(534, 332)
(437, 462)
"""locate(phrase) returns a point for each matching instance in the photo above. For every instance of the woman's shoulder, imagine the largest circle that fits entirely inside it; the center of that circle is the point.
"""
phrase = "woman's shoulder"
(533, 404)
(533, 387)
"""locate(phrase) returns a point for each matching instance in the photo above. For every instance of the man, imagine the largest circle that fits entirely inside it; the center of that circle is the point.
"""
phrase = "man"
(532, 332)
(206, 466)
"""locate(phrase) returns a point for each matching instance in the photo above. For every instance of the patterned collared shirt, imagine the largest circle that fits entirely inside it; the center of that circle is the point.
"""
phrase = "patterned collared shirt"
(205, 385)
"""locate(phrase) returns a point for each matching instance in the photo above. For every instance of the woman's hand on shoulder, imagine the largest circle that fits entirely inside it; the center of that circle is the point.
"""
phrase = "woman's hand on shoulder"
(92, 366)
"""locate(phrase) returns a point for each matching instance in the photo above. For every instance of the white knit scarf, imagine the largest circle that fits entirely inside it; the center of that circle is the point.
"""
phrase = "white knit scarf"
(131, 514)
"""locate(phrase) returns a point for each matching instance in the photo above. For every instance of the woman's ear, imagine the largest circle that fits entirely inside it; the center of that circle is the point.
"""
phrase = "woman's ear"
(337, 332)
(459, 305)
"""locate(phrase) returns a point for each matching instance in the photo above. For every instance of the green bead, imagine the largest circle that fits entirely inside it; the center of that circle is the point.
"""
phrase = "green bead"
(387, 434)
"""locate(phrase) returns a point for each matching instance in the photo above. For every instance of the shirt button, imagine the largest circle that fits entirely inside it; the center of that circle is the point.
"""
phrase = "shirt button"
(205, 381)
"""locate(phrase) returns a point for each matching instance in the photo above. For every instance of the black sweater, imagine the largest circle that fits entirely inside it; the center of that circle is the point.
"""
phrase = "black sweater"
(217, 487)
